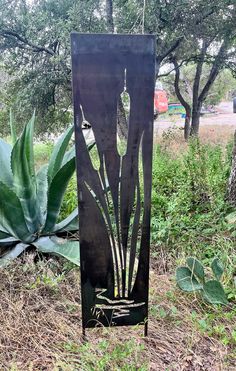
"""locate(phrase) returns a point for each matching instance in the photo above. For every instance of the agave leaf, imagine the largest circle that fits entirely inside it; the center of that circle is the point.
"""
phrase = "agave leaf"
(22, 162)
(68, 156)
(56, 192)
(59, 246)
(12, 254)
(186, 281)
(217, 268)
(214, 293)
(5, 163)
(58, 153)
(11, 214)
(196, 268)
(71, 223)
(42, 190)
(3, 235)
(8, 241)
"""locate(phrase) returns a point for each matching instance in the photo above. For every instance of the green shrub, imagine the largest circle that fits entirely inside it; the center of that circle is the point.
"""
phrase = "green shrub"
(188, 196)
(70, 199)
(42, 153)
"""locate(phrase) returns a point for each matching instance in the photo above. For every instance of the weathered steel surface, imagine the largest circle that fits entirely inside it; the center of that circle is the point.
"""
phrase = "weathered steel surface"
(114, 215)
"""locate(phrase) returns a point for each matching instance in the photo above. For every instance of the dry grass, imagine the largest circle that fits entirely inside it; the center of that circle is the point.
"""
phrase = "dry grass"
(216, 134)
(176, 341)
(40, 327)
(173, 139)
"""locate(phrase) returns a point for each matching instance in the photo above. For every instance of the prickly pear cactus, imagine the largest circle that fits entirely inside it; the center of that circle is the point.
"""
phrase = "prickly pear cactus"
(191, 278)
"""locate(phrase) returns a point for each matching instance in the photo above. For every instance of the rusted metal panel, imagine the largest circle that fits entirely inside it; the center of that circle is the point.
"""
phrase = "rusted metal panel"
(115, 200)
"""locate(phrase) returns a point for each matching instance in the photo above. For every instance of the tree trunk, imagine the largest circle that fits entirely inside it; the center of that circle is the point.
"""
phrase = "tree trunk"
(198, 99)
(231, 190)
(109, 16)
(195, 121)
(187, 125)
(182, 100)
(197, 103)
(234, 105)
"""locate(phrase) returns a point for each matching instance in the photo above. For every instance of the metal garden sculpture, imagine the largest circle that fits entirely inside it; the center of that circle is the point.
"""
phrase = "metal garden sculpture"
(114, 220)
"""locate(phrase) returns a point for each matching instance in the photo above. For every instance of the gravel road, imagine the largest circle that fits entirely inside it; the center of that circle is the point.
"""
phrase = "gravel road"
(224, 116)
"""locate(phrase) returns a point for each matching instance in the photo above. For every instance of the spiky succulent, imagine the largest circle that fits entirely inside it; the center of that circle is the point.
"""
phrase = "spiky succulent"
(30, 202)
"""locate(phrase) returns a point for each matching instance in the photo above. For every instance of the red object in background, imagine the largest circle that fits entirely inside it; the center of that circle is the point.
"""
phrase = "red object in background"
(160, 101)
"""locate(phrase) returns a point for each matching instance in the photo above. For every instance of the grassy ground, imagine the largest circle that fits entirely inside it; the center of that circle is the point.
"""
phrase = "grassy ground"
(40, 326)
(40, 321)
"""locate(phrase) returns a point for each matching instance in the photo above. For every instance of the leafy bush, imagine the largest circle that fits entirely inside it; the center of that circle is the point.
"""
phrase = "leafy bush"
(42, 153)
(30, 202)
(188, 197)
(70, 199)
(191, 278)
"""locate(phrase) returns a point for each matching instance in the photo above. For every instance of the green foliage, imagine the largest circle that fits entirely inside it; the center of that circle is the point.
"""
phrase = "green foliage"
(36, 60)
(70, 199)
(216, 322)
(188, 197)
(124, 356)
(186, 280)
(13, 128)
(59, 246)
(42, 153)
(217, 269)
(31, 201)
(192, 278)
(189, 208)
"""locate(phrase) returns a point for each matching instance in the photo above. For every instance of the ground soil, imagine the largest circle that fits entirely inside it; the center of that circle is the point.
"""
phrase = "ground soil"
(223, 117)
(40, 326)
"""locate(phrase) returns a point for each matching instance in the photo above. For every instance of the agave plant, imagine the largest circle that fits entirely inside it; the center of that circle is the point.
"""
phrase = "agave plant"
(30, 202)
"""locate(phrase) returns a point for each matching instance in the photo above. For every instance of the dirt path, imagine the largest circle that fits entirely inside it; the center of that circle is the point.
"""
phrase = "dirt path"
(223, 117)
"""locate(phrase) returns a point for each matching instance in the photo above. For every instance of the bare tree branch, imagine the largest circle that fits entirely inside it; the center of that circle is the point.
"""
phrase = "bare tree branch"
(180, 65)
(174, 46)
(181, 99)
(36, 48)
(196, 83)
(214, 71)
(109, 14)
